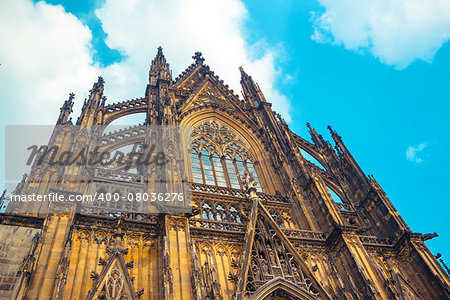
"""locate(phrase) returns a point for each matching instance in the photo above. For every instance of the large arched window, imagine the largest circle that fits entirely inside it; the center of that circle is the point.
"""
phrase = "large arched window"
(219, 156)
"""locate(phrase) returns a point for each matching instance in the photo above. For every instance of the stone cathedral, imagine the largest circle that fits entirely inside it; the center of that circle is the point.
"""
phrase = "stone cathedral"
(273, 215)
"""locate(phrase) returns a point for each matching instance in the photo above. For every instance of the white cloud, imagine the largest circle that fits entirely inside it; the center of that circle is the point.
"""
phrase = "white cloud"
(398, 32)
(44, 54)
(214, 27)
(412, 153)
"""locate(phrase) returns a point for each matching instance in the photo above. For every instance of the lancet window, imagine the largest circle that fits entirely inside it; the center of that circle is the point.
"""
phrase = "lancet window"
(219, 156)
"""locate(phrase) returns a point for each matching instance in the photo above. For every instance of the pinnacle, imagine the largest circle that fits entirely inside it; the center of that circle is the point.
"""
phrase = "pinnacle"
(244, 75)
(159, 59)
(99, 83)
(159, 67)
(69, 102)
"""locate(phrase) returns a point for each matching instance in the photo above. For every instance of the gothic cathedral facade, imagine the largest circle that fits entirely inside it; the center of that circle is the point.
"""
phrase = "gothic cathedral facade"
(263, 225)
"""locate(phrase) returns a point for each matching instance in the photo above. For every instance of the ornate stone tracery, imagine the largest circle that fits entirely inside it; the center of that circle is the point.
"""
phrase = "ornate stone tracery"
(270, 259)
(213, 134)
(220, 155)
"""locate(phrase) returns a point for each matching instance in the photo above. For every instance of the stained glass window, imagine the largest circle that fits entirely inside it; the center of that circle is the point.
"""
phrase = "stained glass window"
(207, 168)
(218, 170)
(196, 167)
(234, 180)
(220, 156)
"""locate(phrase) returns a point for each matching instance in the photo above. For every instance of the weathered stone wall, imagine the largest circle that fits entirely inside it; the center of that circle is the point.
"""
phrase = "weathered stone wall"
(15, 243)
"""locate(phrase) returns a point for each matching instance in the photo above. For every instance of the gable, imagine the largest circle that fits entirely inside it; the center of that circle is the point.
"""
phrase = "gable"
(114, 282)
(187, 80)
(207, 94)
(271, 256)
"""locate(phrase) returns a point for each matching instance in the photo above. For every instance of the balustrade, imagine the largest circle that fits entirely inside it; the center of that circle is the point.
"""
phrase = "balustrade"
(216, 225)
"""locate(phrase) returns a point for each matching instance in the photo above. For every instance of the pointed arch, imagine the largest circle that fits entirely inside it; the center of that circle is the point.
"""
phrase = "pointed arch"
(221, 155)
(114, 282)
(250, 133)
(281, 284)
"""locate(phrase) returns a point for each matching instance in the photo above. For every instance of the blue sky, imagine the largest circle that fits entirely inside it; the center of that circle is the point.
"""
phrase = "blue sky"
(384, 89)
(380, 111)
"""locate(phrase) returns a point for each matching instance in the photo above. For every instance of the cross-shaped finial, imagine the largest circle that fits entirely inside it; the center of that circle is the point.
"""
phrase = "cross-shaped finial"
(198, 58)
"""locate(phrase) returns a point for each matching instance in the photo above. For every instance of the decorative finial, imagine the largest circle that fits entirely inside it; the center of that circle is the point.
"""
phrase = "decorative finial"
(243, 74)
(198, 58)
(71, 96)
(159, 53)
(333, 133)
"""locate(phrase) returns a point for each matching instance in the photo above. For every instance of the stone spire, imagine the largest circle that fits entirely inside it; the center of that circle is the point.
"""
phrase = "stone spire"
(159, 69)
(90, 107)
(336, 137)
(66, 110)
(250, 89)
(98, 86)
(96, 93)
(316, 137)
(340, 147)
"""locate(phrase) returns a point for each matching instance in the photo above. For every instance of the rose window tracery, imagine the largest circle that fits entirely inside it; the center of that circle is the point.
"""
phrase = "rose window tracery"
(220, 157)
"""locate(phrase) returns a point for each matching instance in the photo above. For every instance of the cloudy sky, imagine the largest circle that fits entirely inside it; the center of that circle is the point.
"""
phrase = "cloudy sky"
(378, 71)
